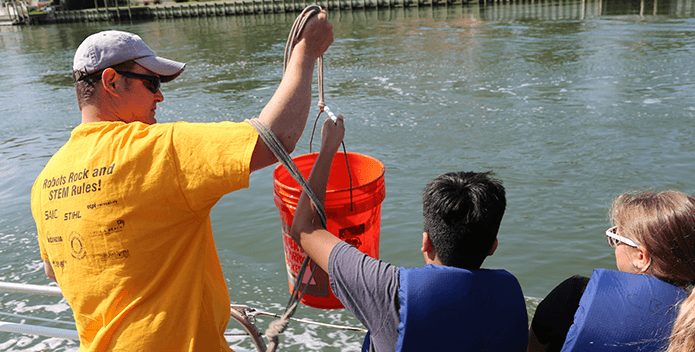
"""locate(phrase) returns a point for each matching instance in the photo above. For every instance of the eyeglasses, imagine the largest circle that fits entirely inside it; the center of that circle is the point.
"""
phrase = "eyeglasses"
(154, 81)
(613, 238)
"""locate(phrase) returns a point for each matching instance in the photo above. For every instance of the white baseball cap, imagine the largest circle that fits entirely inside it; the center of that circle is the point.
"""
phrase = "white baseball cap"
(109, 48)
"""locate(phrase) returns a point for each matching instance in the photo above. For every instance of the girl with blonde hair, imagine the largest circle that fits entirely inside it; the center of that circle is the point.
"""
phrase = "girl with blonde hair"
(683, 335)
(633, 309)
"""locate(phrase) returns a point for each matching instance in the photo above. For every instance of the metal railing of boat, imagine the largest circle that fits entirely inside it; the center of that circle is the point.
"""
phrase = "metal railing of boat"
(242, 314)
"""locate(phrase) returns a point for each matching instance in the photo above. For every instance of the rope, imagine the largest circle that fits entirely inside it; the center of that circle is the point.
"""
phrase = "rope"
(281, 154)
(295, 32)
(342, 327)
(276, 327)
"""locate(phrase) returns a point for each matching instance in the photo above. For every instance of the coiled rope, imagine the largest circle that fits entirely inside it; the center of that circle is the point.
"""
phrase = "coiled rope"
(276, 327)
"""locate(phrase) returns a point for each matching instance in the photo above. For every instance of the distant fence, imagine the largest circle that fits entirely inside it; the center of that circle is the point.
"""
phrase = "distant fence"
(584, 9)
(492, 10)
(231, 8)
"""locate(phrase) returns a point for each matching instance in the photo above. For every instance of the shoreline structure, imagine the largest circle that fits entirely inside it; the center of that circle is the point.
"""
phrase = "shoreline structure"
(527, 9)
(223, 8)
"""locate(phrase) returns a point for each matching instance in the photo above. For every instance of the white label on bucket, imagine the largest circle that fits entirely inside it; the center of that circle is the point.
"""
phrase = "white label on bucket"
(294, 257)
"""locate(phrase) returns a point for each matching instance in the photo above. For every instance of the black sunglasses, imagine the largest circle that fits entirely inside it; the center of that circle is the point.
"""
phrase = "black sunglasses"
(154, 81)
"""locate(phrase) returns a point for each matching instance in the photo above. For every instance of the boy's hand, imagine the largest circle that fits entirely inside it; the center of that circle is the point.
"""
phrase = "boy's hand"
(332, 135)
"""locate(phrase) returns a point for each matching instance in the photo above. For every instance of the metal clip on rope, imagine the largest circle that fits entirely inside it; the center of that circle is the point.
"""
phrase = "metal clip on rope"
(330, 113)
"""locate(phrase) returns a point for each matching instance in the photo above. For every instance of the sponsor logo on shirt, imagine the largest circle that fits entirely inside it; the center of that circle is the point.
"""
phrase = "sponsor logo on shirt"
(58, 263)
(53, 239)
(115, 255)
(120, 224)
(103, 204)
(76, 242)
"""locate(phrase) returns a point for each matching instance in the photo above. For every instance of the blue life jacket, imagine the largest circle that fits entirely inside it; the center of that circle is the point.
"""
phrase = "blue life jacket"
(450, 309)
(624, 312)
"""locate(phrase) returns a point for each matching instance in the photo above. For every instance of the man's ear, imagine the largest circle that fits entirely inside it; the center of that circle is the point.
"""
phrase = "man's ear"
(109, 81)
(494, 248)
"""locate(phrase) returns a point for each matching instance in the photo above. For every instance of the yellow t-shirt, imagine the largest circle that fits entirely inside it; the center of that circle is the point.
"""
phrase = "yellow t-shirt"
(123, 216)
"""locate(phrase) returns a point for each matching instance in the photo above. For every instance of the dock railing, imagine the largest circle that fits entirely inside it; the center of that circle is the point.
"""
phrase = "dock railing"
(232, 8)
(494, 10)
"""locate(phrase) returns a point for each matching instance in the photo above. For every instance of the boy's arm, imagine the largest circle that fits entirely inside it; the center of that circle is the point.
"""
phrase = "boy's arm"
(307, 229)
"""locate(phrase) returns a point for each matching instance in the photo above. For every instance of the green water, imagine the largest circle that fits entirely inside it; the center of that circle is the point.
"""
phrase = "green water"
(569, 102)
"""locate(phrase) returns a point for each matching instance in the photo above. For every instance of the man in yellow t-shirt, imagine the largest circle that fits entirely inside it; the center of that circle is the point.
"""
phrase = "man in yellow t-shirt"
(122, 209)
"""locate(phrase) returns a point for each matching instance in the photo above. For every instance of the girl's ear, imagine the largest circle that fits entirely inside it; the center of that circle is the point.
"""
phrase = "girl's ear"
(642, 260)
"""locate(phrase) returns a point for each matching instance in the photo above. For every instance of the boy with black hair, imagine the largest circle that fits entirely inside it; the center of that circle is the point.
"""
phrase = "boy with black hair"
(450, 304)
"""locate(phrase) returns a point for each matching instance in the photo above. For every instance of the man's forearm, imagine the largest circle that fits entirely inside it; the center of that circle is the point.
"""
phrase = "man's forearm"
(286, 113)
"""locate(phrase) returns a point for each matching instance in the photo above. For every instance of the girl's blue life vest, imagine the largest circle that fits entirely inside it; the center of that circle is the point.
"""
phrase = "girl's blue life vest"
(624, 312)
(443, 308)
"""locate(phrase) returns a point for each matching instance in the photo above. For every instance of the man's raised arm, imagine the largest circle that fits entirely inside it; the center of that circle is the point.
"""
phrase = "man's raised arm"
(287, 111)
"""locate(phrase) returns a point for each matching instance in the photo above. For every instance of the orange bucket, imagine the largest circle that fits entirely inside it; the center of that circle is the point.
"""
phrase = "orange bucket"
(358, 223)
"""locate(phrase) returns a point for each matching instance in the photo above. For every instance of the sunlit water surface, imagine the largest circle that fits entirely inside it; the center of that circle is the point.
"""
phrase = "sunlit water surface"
(569, 103)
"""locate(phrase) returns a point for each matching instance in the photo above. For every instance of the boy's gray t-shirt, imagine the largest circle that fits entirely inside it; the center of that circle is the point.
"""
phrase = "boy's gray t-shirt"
(368, 288)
